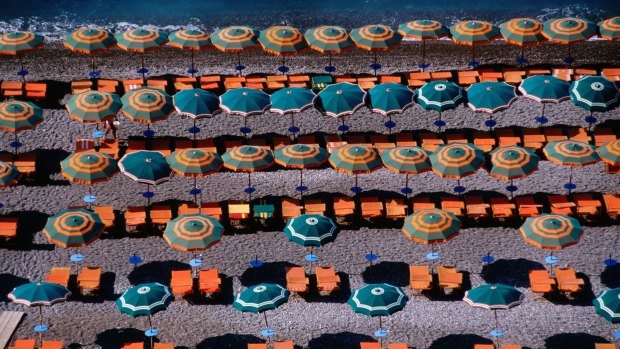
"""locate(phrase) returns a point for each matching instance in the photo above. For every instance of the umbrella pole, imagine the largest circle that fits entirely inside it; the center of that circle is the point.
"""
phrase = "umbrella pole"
(375, 52)
(512, 195)
(570, 177)
(195, 187)
(283, 62)
(143, 73)
(407, 183)
(239, 62)
(543, 111)
(40, 323)
(148, 199)
(458, 184)
(194, 128)
(330, 63)
(21, 67)
(473, 56)
(192, 63)
(151, 327)
(522, 55)
(265, 317)
(423, 54)
(92, 65)
(439, 127)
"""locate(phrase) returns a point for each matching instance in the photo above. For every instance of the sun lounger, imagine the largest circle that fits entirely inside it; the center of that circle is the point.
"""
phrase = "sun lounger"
(319, 82)
(455, 137)
(257, 346)
(157, 84)
(441, 75)
(514, 77)
(612, 74)
(334, 141)
(560, 204)
(36, 90)
(468, 77)
(212, 209)
(511, 346)
(587, 205)
(540, 282)
(314, 206)
(157, 345)
(484, 140)
(507, 137)
(422, 203)
(51, 345)
(263, 210)
(283, 345)
(80, 86)
(397, 346)
(453, 204)
(527, 206)
(564, 74)
(109, 147)
(418, 79)
(12, 89)
(554, 134)
(110, 86)
(276, 82)
(579, 134)
(181, 283)
(405, 139)
(24, 344)
(134, 145)
(611, 169)
(533, 138)
(484, 346)
(370, 345)
(307, 139)
(430, 140)
(395, 208)
(612, 205)
(106, 213)
(26, 163)
(449, 278)
(581, 73)
(390, 78)
(491, 76)
(502, 207)
(184, 83)
(135, 216)
(89, 280)
(132, 84)
(327, 281)
(605, 346)
(345, 78)
(160, 214)
(238, 210)
(279, 141)
(476, 207)
(59, 275)
(603, 135)
(209, 281)
(133, 345)
(381, 142)
(567, 280)
(84, 144)
(8, 227)
(188, 208)
(291, 208)
(343, 206)
(372, 207)
(296, 280)
(420, 278)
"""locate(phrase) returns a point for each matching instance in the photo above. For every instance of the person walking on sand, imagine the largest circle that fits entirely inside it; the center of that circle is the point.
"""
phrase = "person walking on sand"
(111, 125)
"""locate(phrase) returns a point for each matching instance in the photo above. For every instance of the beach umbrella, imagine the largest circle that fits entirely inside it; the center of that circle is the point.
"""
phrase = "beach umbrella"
(355, 159)
(196, 103)
(73, 228)
(457, 160)
(339, 100)
(313, 230)
(235, 39)
(375, 38)
(607, 305)
(147, 167)
(192, 233)
(17, 44)
(147, 105)
(490, 97)
(194, 163)
(94, 107)
(282, 41)
(291, 100)
(88, 167)
(594, 94)
(423, 30)
(609, 29)
(248, 158)
(260, 298)
(390, 98)
(17, 116)
(9, 174)
(474, 33)
(141, 40)
(439, 96)
(378, 300)
(329, 39)
(522, 32)
(571, 153)
(568, 31)
(407, 161)
(145, 300)
(513, 162)
(545, 89)
(245, 102)
(90, 41)
(431, 227)
(300, 156)
(192, 40)
(610, 152)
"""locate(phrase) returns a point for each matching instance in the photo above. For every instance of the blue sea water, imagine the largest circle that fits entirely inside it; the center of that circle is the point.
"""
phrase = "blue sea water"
(54, 18)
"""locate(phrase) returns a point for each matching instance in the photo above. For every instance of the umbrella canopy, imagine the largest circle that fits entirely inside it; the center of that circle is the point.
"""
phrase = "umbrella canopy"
(607, 305)
(93, 106)
(609, 152)
(457, 160)
(194, 162)
(406, 160)
(341, 99)
(17, 43)
(300, 156)
(474, 33)
(248, 158)
(551, 231)
(494, 297)
(73, 228)
(9, 174)
(375, 37)
(16, 116)
(88, 167)
(190, 39)
(90, 40)
(545, 89)
(571, 153)
(522, 32)
(260, 298)
(513, 162)
(141, 40)
(193, 232)
(291, 100)
(143, 166)
(36, 294)
(568, 30)
(329, 39)
(355, 159)
(144, 299)
(245, 101)
(378, 300)
(282, 41)
(196, 103)
(310, 230)
(609, 29)
(423, 29)
(235, 39)
(390, 98)
(594, 93)
(431, 226)
(147, 105)
(491, 97)
(439, 95)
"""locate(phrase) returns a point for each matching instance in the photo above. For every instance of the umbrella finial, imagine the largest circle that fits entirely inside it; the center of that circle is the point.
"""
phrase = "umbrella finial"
(148, 160)
(489, 88)
(245, 93)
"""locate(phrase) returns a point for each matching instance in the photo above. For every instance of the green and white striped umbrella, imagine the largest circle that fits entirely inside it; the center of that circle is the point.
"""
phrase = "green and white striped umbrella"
(196, 103)
(310, 230)
(144, 299)
(260, 298)
(607, 305)
(439, 95)
(36, 294)
(378, 300)
(594, 93)
(545, 89)
(491, 97)
(73, 228)
(340, 99)
(9, 174)
(245, 101)
(494, 296)
(143, 166)
(93, 106)
(390, 98)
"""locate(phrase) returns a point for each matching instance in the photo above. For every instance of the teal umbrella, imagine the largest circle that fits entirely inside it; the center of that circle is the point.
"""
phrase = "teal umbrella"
(147, 167)
(245, 102)
(260, 298)
(594, 93)
(607, 305)
(440, 96)
(196, 103)
(378, 300)
(545, 89)
(312, 230)
(490, 97)
(339, 100)
(390, 98)
(145, 300)
(291, 100)
(9, 174)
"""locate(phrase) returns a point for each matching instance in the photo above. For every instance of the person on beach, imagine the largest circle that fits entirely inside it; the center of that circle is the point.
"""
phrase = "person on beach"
(111, 125)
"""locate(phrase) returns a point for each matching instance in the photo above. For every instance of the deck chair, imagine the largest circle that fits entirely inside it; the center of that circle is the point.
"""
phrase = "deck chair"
(24, 344)
(135, 216)
(476, 207)
(514, 77)
(405, 139)
(291, 208)
(106, 213)
(527, 206)
(390, 78)
(26, 163)
(132, 84)
(36, 90)
(184, 83)
(540, 282)
(512, 346)
(453, 204)
(567, 280)
(533, 138)
(51, 345)
(423, 203)
(418, 79)
(89, 280)
(456, 137)
(603, 135)
(209, 281)
(283, 345)
(579, 134)
(296, 280)
(210, 82)
(307, 139)
(430, 141)
(468, 77)
(491, 76)
(257, 346)
(181, 283)
(372, 207)
(612, 74)
(441, 75)
(370, 345)
(59, 275)
(80, 86)
(397, 346)
(279, 141)
(587, 205)
(381, 142)
(110, 86)
(327, 281)
(158, 345)
(276, 82)
(8, 227)
(160, 214)
(502, 208)
(605, 346)
(157, 84)
(484, 140)
(344, 206)
(212, 209)
(554, 134)
(12, 89)
(560, 204)
(484, 346)
(110, 147)
(395, 208)
(333, 141)
(314, 206)
(506, 137)
(612, 205)
(84, 144)
(420, 278)
(449, 278)
(238, 210)
(133, 345)
(188, 208)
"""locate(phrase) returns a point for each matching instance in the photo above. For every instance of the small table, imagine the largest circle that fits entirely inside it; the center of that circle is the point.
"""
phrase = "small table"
(135, 260)
(151, 332)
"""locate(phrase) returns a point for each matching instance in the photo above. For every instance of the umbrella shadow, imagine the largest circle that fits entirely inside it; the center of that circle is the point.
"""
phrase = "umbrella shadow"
(269, 272)
(341, 340)
(394, 273)
(30, 223)
(573, 340)
(513, 272)
(106, 293)
(156, 271)
(454, 295)
(340, 296)
(116, 337)
(48, 163)
(8, 282)
(583, 298)
(56, 91)
(229, 341)
(224, 297)
(610, 277)
(459, 341)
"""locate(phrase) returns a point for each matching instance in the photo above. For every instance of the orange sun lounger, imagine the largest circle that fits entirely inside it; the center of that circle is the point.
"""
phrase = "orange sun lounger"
(540, 282)
(296, 280)
(181, 283)
(420, 278)
(209, 281)
(59, 275)
(24, 344)
(327, 280)
(89, 280)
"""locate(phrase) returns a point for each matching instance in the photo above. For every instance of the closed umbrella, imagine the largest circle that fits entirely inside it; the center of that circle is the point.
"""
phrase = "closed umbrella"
(194, 163)
(406, 160)
(568, 31)
(439, 96)
(545, 89)
(571, 153)
(291, 100)
(329, 39)
(248, 159)
(147, 167)
(457, 160)
(423, 29)
(390, 98)
(513, 162)
(522, 32)
(490, 97)
(474, 33)
(301, 156)
(141, 40)
(594, 94)
(245, 102)
(375, 38)
(235, 39)
(90, 41)
(191, 40)
(339, 100)
(17, 44)
(355, 160)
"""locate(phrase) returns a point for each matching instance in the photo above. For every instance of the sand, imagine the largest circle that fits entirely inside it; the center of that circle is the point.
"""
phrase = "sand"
(436, 321)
